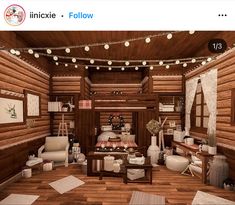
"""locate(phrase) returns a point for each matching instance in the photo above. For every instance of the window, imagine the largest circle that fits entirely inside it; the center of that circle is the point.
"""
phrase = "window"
(200, 113)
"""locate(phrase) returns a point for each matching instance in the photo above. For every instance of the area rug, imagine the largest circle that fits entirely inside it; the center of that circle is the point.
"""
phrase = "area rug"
(19, 199)
(202, 198)
(141, 198)
(66, 184)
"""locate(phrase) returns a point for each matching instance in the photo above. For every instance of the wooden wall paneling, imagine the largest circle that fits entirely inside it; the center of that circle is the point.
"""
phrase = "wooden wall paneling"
(167, 83)
(66, 84)
(226, 82)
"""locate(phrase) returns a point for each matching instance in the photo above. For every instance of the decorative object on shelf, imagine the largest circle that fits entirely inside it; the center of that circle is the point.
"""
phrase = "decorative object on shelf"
(172, 123)
(204, 146)
(154, 127)
(11, 110)
(116, 92)
(127, 127)
(33, 104)
(170, 131)
(63, 129)
(178, 136)
(212, 149)
(218, 170)
(117, 122)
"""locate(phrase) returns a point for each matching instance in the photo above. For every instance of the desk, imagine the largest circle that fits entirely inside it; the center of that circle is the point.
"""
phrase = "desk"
(204, 156)
(147, 166)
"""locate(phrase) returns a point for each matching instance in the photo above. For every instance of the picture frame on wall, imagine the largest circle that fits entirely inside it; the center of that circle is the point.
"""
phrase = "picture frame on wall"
(32, 104)
(11, 110)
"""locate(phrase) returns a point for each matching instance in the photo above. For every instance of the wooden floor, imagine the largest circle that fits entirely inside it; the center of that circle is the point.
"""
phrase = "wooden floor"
(178, 189)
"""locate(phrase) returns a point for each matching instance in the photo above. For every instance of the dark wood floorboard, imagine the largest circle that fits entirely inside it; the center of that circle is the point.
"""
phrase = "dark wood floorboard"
(178, 189)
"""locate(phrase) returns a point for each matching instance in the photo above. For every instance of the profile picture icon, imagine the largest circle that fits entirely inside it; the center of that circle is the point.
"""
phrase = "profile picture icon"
(14, 15)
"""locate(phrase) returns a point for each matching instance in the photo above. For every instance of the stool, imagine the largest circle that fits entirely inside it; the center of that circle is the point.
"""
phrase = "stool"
(176, 163)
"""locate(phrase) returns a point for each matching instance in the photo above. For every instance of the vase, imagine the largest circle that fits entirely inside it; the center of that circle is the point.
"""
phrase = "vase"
(218, 171)
(153, 150)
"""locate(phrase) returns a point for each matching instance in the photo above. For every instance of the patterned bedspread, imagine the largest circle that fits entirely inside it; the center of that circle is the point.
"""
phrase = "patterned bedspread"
(118, 144)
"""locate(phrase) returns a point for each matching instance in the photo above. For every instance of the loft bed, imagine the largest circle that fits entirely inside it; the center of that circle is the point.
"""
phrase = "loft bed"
(143, 108)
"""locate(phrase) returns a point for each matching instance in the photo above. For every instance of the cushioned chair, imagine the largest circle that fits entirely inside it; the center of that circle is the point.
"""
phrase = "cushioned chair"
(55, 149)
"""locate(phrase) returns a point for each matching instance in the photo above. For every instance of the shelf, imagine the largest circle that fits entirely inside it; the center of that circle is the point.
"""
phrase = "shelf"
(60, 112)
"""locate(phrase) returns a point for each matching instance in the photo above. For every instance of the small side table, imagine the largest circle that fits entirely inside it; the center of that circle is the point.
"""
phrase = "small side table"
(147, 166)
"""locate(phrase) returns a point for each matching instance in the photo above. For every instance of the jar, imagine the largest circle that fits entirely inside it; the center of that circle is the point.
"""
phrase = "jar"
(108, 163)
(218, 170)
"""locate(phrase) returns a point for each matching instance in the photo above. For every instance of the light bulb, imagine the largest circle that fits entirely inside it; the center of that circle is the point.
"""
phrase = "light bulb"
(30, 51)
(12, 51)
(36, 55)
(56, 63)
(86, 67)
(126, 43)
(185, 65)
(122, 68)
(66, 65)
(92, 61)
(97, 68)
(177, 62)
(49, 51)
(193, 60)
(144, 62)
(86, 48)
(136, 68)
(55, 58)
(203, 62)
(17, 53)
(167, 66)
(191, 32)
(76, 66)
(169, 36)
(147, 40)
(109, 62)
(74, 60)
(67, 50)
(110, 68)
(151, 68)
(208, 59)
(160, 62)
(106, 46)
(127, 63)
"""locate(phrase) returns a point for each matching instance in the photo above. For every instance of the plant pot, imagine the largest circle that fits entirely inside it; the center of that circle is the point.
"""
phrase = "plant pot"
(205, 148)
(212, 150)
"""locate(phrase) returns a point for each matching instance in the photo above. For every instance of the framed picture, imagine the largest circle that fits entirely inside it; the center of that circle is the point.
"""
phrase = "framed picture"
(32, 104)
(11, 110)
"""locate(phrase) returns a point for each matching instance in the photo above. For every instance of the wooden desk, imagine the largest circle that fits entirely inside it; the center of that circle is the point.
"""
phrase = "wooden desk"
(204, 156)
(147, 166)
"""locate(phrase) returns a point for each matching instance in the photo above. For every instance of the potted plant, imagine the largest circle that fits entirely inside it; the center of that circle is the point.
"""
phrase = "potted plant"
(212, 149)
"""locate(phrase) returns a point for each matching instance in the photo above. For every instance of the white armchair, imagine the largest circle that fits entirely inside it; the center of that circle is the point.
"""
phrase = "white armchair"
(55, 149)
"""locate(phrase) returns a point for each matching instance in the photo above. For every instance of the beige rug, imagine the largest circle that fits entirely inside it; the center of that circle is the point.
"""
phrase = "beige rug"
(202, 198)
(141, 198)
(66, 184)
(19, 199)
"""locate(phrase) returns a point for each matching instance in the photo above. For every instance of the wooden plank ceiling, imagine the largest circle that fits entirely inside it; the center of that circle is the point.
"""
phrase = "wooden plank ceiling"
(181, 45)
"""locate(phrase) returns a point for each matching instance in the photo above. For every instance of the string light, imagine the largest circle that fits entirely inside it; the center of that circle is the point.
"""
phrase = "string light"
(127, 43)
(17, 53)
(160, 62)
(169, 36)
(66, 64)
(110, 68)
(144, 62)
(87, 48)
(30, 51)
(136, 68)
(55, 58)
(122, 68)
(12, 51)
(191, 32)
(36, 55)
(92, 61)
(147, 40)
(74, 60)
(203, 62)
(76, 66)
(151, 67)
(167, 66)
(109, 62)
(67, 50)
(86, 67)
(97, 68)
(193, 60)
(56, 63)
(177, 62)
(106, 46)
(209, 59)
(49, 51)
(127, 63)
(185, 65)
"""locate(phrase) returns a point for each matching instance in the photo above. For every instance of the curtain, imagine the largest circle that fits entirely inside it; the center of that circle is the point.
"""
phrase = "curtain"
(209, 88)
(191, 87)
